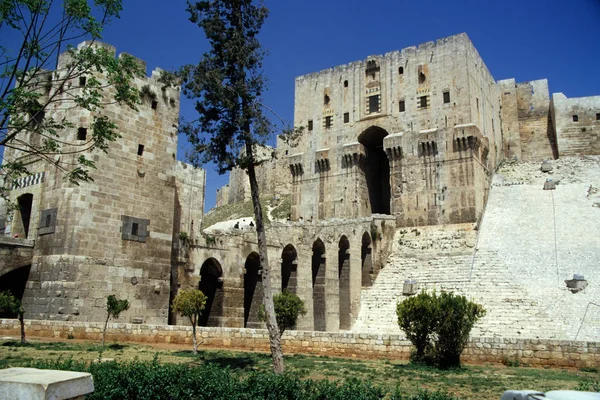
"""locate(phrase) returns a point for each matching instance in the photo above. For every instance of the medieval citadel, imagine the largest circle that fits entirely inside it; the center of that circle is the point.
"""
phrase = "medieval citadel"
(416, 170)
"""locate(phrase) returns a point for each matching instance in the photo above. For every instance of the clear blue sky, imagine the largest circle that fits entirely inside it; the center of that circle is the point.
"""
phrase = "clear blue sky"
(521, 39)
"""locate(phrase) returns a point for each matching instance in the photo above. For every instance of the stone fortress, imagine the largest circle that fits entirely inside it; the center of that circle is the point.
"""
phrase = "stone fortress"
(416, 170)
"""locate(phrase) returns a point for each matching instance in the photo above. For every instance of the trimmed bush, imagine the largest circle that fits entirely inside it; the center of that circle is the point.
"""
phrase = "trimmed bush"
(438, 326)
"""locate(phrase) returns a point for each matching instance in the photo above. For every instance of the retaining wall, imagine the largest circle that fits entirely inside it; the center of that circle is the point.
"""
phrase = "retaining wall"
(534, 352)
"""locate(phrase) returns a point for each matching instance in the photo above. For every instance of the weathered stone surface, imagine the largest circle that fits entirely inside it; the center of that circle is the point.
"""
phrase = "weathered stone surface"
(44, 384)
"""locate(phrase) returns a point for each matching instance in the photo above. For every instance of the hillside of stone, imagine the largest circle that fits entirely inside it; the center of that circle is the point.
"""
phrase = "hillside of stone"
(529, 242)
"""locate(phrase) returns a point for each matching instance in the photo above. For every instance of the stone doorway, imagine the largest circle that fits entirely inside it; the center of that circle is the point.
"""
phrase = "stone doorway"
(252, 291)
(318, 285)
(289, 269)
(25, 203)
(377, 170)
(212, 286)
(344, 282)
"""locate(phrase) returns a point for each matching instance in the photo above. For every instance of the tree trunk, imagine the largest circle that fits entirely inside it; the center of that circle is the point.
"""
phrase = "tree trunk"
(274, 336)
(194, 337)
(104, 331)
(22, 321)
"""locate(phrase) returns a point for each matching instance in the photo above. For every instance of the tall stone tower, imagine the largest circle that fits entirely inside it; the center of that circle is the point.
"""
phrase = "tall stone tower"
(114, 235)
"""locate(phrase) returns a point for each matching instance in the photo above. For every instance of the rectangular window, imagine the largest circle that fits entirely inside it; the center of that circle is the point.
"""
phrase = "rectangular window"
(82, 81)
(310, 125)
(374, 103)
(81, 134)
(47, 223)
(134, 229)
(402, 106)
(423, 102)
(140, 149)
(597, 116)
(575, 118)
(328, 121)
(346, 118)
(446, 97)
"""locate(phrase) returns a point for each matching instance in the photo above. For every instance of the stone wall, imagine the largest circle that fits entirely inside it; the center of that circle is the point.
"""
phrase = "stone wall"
(14, 253)
(412, 103)
(348, 257)
(577, 124)
(112, 235)
(531, 352)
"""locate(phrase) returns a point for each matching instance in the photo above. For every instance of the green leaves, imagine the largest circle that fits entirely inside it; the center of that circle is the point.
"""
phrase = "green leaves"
(35, 101)
(189, 303)
(115, 306)
(288, 307)
(438, 326)
(9, 303)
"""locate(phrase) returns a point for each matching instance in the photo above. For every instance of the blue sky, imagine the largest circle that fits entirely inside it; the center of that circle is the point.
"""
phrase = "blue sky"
(525, 40)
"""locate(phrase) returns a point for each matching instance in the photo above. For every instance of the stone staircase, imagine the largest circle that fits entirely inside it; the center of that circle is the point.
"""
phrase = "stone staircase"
(445, 259)
(530, 241)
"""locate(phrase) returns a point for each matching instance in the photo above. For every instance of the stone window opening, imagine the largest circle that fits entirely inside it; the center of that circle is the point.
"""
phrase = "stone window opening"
(446, 97)
(37, 117)
(82, 81)
(81, 134)
(346, 117)
(597, 116)
(374, 104)
(401, 106)
(328, 121)
(422, 78)
(345, 83)
(326, 100)
(310, 125)
(423, 102)
(400, 70)
(134, 229)
(154, 104)
(140, 151)
(47, 221)
(575, 117)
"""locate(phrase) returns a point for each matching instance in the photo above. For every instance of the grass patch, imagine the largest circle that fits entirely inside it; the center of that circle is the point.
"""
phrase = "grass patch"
(481, 382)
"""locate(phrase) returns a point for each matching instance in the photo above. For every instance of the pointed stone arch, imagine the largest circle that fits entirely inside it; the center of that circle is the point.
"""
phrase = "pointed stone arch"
(344, 282)
(366, 266)
(23, 219)
(253, 291)
(289, 268)
(14, 281)
(377, 169)
(318, 285)
(211, 284)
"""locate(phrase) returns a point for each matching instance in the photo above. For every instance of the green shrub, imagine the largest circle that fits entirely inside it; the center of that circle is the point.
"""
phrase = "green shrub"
(190, 303)
(438, 326)
(418, 317)
(145, 380)
(288, 307)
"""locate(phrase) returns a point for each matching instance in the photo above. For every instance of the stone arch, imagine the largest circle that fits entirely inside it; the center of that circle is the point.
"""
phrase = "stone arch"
(22, 221)
(211, 284)
(14, 281)
(253, 291)
(344, 282)
(377, 169)
(366, 266)
(318, 284)
(289, 268)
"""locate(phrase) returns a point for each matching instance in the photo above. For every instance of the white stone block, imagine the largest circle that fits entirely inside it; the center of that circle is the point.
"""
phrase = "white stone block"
(39, 384)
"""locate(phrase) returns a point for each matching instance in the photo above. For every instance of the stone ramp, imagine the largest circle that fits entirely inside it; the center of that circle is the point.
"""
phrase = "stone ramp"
(530, 241)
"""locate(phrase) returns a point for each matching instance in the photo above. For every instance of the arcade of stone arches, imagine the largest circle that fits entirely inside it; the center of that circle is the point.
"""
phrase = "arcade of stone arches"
(324, 285)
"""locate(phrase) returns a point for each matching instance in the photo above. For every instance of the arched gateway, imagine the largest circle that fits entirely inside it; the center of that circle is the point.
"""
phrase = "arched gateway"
(377, 169)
